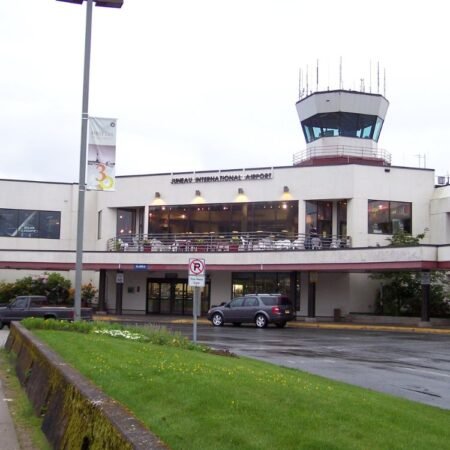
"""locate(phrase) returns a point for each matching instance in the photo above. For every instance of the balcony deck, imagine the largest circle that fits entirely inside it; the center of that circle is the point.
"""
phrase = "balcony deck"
(225, 242)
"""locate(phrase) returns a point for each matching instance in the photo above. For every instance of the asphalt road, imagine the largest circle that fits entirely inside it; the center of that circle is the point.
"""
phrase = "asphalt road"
(413, 366)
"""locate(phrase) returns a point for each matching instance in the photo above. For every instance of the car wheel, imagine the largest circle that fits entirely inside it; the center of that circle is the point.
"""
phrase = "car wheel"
(280, 324)
(237, 324)
(217, 320)
(1, 324)
(261, 321)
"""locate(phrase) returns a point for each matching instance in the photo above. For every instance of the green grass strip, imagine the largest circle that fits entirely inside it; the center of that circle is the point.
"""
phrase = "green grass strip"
(197, 400)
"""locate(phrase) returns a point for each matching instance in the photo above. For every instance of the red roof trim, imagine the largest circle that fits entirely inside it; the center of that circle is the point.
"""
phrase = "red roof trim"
(331, 267)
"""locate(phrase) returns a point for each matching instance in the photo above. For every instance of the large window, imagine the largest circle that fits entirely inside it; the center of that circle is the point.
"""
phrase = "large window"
(30, 223)
(261, 282)
(126, 222)
(362, 126)
(225, 218)
(319, 217)
(386, 217)
(342, 217)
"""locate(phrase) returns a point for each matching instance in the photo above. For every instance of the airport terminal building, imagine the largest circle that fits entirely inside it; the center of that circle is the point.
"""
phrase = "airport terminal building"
(314, 230)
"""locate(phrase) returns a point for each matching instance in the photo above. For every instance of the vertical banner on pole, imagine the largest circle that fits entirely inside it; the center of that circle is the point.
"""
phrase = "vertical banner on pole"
(101, 154)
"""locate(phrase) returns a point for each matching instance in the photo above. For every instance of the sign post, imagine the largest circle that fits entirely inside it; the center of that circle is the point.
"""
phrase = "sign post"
(197, 269)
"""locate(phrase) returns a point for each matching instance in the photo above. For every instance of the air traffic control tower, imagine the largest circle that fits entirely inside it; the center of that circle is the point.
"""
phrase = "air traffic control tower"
(342, 127)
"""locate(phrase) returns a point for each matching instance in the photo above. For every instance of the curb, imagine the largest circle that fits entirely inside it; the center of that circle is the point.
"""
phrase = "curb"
(293, 324)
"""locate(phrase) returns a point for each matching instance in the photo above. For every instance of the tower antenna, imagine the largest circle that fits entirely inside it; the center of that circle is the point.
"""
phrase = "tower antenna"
(307, 80)
(300, 83)
(378, 77)
(340, 73)
(317, 75)
(370, 77)
(384, 83)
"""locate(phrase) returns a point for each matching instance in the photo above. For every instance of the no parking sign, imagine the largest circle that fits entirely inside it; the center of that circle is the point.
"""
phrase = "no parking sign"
(197, 270)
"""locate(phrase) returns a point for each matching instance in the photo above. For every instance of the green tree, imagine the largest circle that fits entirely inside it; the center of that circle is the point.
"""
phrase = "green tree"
(52, 285)
(7, 291)
(57, 288)
(400, 293)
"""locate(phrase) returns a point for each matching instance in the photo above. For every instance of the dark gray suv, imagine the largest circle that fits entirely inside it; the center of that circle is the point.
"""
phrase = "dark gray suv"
(260, 309)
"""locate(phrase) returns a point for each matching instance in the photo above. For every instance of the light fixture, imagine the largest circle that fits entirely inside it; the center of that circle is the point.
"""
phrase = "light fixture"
(286, 189)
(240, 191)
(198, 193)
(157, 195)
(105, 3)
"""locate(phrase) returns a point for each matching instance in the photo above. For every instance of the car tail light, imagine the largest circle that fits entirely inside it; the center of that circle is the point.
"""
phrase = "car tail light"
(276, 310)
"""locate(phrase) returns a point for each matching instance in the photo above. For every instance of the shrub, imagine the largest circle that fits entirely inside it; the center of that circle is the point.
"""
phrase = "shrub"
(154, 334)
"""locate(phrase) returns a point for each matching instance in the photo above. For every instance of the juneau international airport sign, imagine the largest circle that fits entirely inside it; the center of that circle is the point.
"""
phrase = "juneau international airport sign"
(243, 176)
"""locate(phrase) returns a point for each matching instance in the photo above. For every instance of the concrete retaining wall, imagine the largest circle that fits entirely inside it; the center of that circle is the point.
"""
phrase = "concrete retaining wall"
(76, 414)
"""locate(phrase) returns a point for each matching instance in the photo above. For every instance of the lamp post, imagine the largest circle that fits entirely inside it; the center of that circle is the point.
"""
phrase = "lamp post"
(83, 144)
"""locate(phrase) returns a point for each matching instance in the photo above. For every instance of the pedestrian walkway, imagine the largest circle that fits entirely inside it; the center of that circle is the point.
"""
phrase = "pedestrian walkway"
(8, 435)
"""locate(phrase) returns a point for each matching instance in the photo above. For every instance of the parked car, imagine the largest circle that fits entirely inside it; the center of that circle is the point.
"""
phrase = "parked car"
(261, 309)
(37, 306)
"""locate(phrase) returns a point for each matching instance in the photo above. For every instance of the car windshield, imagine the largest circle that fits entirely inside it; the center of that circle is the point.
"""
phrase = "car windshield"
(275, 300)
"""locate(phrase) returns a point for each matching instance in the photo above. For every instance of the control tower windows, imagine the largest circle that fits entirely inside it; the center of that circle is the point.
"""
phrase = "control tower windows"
(363, 126)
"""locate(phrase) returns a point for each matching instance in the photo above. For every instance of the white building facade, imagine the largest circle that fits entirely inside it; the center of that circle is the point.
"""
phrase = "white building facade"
(314, 230)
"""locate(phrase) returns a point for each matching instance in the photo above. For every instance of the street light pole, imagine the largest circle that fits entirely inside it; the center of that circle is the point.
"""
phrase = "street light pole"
(83, 149)
(83, 145)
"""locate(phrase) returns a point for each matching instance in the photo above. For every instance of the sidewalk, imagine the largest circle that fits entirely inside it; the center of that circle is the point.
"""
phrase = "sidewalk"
(164, 319)
(8, 435)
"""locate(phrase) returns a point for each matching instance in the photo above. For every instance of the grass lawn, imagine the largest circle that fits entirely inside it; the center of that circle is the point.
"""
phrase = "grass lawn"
(196, 400)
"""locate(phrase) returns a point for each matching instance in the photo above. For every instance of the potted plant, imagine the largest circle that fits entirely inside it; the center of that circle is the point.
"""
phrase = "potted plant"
(200, 245)
(234, 244)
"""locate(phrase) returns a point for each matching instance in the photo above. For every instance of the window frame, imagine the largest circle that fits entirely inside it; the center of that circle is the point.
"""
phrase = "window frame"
(373, 227)
(40, 222)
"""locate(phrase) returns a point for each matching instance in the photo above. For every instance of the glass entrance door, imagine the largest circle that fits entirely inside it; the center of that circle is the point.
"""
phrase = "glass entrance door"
(173, 297)
(153, 298)
(166, 298)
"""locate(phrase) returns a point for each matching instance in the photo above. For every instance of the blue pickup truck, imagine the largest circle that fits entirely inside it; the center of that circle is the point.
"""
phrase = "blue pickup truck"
(37, 306)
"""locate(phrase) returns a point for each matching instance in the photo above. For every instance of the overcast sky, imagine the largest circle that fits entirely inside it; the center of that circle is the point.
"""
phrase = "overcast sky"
(203, 84)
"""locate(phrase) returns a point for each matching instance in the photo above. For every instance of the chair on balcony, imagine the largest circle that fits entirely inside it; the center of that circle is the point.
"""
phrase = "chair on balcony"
(284, 244)
(298, 244)
(335, 243)
(316, 243)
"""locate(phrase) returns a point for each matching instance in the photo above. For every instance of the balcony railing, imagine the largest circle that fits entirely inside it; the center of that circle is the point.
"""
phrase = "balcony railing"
(341, 151)
(225, 242)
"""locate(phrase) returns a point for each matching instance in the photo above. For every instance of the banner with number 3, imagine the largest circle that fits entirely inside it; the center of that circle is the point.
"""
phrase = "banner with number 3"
(101, 154)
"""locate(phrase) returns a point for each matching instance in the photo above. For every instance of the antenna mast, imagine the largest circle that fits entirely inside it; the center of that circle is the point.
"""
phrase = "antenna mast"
(300, 83)
(378, 77)
(340, 73)
(307, 80)
(317, 76)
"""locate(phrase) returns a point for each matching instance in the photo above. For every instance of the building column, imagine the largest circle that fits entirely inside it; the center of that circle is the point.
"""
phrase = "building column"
(312, 280)
(102, 290)
(293, 295)
(145, 230)
(334, 219)
(119, 291)
(425, 310)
